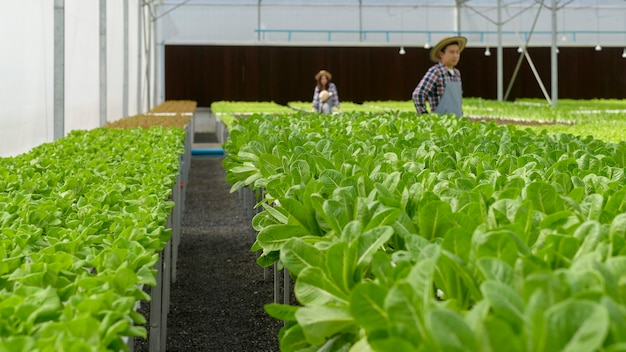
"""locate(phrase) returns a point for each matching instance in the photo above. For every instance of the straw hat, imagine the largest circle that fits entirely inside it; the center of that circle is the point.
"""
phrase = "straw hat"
(434, 52)
(325, 95)
(323, 73)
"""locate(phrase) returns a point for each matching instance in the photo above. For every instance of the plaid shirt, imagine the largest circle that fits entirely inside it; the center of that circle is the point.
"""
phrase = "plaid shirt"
(432, 86)
(334, 98)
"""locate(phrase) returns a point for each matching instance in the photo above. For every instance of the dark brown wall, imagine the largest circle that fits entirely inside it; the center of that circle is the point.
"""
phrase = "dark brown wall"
(282, 73)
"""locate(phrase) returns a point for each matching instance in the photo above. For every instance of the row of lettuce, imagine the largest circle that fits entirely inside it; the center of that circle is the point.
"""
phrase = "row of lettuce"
(437, 234)
(82, 222)
(603, 118)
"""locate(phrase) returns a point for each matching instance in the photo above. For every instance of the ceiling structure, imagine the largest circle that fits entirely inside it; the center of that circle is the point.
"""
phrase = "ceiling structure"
(402, 23)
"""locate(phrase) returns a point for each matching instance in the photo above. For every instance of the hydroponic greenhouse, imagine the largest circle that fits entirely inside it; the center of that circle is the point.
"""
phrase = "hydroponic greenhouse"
(206, 175)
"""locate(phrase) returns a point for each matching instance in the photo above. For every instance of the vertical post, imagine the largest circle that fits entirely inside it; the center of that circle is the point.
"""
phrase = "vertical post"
(125, 78)
(155, 57)
(500, 58)
(148, 44)
(165, 294)
(554, 82)
(156, 308)
(162, 73)
(140, 32)
(258, 14)
(457, 10)
(59, 69)
(276, 284)
(286, 282)
(103, 62)
(361, 20)
(177, 196)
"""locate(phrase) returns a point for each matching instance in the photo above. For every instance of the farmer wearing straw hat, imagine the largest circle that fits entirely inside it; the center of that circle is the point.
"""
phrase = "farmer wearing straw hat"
(325, 96)
(441, 84)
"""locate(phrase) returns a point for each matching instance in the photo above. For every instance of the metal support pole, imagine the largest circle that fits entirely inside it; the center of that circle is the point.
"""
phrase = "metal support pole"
(139, 54)
(125, 78)
(177, 214)
(361, 20)
(156, 309)
(276, 284)
(161, 73)
(523, 55)
(148, 44)
(258, 14)
(103, 62)
(457, 11)
(165, 299)
(554, 82)
(59, 69)
(155, 57)
(286, 281)
(500, 53)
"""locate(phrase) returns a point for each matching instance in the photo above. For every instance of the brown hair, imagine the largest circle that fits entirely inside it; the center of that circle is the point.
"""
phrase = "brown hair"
(443, 48)
(318, 78)
(319, 83)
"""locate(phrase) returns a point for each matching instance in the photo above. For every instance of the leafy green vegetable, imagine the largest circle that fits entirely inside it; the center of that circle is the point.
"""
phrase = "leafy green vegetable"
(438, 233)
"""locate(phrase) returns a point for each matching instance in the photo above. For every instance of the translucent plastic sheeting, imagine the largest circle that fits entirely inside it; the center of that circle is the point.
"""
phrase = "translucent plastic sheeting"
(27, 67)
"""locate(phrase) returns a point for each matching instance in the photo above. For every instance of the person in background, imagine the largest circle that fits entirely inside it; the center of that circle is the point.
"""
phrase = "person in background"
(441, 84)
(325, 96)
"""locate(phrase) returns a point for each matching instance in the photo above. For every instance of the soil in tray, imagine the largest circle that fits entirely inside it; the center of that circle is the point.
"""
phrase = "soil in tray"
(217, 301)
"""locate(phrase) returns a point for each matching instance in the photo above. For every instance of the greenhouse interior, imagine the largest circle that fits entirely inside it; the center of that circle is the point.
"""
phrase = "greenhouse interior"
(105, 60)
(173, 178)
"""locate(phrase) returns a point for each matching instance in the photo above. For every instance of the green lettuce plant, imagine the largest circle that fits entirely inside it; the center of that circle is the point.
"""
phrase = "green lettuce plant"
(436, 233)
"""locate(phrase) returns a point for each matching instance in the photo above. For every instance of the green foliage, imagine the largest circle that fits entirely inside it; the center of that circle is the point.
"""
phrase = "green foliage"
(82, 220)
(230, 111)
(434, 233)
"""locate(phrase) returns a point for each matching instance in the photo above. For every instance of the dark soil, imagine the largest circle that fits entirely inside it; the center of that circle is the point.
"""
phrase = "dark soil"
(217, 300)
(205, 137)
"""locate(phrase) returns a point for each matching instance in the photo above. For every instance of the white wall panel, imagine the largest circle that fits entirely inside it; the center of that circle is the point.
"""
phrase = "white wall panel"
(27, 67)
(82, 65)
(25, 76)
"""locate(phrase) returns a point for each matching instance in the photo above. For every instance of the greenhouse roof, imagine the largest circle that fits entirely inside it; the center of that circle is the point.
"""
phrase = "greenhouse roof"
(406, 2)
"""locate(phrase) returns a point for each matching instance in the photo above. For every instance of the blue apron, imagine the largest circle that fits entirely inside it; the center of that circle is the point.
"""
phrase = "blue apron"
(325, 108)
(451, 102)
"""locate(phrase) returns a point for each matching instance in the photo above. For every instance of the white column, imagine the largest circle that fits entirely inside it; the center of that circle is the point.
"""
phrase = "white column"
(59, 69)
(553, 59)
(103, 62)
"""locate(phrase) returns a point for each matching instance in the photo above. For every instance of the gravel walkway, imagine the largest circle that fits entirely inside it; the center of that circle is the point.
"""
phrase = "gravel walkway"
(218, 297)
